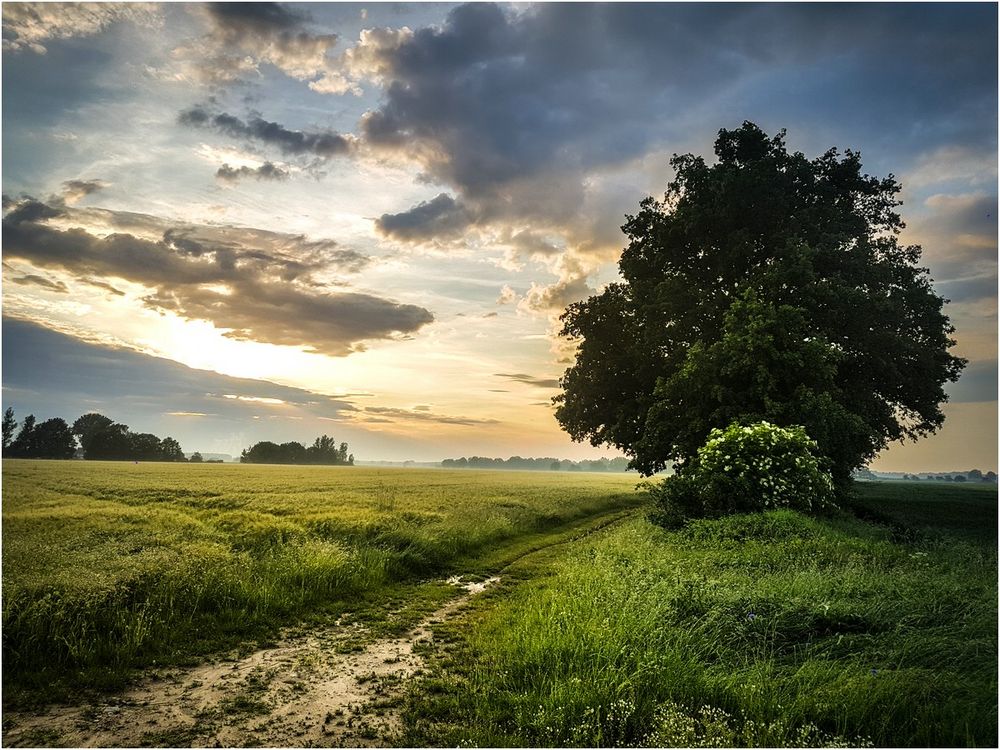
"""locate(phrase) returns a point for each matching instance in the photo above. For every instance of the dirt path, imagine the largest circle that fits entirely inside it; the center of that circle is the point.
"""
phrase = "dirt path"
(307, 691)
(330, 687)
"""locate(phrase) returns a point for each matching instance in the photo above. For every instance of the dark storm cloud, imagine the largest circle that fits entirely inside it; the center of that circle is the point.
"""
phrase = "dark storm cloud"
(204, 273)
(57, 374)
(493, 96)
(260, 18)
(437, 218)
(266, 171)
(520, 112)
(29, 211)
(530, 379)
(322, 144)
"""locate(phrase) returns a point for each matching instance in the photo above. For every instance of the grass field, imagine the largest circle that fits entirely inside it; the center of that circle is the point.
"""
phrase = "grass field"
(756, 630)
(877, 626)
(112, 566)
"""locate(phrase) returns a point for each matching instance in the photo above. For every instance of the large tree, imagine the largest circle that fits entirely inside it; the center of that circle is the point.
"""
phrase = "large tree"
(53, 439)
(23, 445)
(88, 427)
(9, 425)
(764, 286)
(170, 450)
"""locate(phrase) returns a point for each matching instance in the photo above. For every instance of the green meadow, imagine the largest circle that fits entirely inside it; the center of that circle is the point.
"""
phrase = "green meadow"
(874, 626)
(110, 566)
(767, 629)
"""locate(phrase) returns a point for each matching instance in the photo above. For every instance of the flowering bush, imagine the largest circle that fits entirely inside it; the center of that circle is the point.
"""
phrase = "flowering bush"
(747, 468)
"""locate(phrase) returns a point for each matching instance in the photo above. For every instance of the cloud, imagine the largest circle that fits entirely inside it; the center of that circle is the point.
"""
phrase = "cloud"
(556, 297)
(968, 289)
(256, 399)
(552, 299)
(73, 376)
(41, 281)
(324, 144)
(507, 296)
(266, 171)
(952, 163)
(242, 36)
(958, 234)
(523, 112)
(102, 285)
(75, 190)
(528, 245)
(389, 414)
(441, 217)
(530, 380)
(27, 25)
(242, 280)
(977, 384)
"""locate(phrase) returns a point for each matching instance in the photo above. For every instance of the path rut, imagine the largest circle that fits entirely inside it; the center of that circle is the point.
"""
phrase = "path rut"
(304, 692)
(310, 690)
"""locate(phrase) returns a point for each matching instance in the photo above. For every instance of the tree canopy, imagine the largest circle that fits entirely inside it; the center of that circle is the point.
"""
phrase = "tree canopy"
(324, 450)
(765, 286)
(103, 439)
(9, 425)
(49, 439)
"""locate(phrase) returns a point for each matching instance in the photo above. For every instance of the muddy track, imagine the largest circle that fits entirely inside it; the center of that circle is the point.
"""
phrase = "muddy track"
(333, 686)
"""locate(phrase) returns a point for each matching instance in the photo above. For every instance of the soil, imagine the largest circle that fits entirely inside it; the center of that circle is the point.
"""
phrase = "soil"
(319, 689)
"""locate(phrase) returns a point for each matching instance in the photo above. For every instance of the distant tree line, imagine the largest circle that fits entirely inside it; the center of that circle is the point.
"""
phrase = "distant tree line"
(536, 464)
(94, 436)
(975, 475)
(324, 451)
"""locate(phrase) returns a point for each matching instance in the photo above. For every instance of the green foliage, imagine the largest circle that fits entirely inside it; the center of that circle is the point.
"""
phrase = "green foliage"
(88, 427)
(111, 566)
(323, 451)
(764, 286)
(766, 629)
(49, 439)
(746, 468)
(9, 425)
(105, 440)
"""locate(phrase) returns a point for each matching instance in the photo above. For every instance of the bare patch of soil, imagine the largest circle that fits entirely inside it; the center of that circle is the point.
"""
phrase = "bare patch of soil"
(320, 689)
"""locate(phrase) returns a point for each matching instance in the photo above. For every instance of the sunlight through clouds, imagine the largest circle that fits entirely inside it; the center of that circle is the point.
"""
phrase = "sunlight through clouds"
(401, 200)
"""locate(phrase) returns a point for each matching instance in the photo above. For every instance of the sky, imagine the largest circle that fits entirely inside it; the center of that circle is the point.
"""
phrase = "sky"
(238, 222)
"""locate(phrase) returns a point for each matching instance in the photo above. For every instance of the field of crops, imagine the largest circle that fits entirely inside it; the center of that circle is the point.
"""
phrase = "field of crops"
(754, 630)
(112, 566)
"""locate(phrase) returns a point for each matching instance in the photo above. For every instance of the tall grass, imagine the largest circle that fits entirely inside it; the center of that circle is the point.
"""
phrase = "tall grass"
(766, 629)
(115, 565)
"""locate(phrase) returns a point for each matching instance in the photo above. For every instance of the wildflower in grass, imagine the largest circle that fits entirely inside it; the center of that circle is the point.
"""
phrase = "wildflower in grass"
(873, 672)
